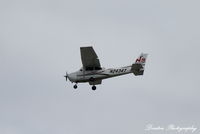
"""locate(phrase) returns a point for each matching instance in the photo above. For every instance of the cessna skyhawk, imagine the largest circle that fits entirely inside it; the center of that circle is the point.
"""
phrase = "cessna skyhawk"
(93, 73)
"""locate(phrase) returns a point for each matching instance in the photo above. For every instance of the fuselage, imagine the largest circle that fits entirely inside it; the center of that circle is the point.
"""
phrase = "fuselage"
(86, 76)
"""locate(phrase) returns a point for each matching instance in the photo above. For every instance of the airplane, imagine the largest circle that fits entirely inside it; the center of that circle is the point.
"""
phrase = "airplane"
(93, 73)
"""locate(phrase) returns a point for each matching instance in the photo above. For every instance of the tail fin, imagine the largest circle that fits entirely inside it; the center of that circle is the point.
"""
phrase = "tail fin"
(138, 66)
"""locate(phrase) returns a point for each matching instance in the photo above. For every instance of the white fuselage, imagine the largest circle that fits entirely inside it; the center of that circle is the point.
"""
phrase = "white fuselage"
(86, 76)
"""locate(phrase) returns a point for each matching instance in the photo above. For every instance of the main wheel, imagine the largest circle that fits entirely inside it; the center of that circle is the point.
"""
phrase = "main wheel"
(75, 86)
(94, 88)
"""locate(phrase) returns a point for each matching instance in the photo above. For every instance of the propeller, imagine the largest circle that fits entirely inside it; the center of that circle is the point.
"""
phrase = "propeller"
(66, 76)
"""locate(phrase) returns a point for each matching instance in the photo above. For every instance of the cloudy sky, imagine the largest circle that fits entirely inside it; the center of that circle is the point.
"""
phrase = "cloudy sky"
(40, 41)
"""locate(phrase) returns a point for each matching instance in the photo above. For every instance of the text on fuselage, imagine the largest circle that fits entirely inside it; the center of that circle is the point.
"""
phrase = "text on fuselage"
(118, 70)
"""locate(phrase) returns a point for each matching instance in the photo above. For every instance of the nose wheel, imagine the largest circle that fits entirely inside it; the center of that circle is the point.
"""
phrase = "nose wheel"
(75, 86)
(94, 87)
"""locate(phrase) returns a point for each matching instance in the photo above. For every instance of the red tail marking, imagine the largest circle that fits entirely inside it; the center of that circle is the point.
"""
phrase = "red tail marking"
(141, 59)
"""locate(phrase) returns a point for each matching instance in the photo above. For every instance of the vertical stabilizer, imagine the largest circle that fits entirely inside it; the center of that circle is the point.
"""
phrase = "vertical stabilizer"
(138, 66)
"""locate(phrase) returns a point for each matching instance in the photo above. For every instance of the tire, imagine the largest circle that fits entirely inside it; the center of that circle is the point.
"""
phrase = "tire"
(94, 88)
(75, 86)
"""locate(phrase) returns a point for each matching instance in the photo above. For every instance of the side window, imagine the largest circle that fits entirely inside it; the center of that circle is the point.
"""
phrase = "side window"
(93, 68)
(89, 68)
(98, 68)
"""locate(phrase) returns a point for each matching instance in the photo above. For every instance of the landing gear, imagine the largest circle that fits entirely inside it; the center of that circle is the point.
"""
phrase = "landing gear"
(75, 86)
(94, 87)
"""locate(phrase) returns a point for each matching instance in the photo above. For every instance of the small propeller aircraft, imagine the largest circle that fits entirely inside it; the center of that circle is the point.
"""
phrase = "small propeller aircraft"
(93, 73)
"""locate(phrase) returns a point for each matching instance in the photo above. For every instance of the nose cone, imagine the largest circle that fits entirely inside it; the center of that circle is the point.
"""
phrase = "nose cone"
(72, 77)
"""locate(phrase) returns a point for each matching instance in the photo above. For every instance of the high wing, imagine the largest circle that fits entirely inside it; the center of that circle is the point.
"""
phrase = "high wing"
(89, 59)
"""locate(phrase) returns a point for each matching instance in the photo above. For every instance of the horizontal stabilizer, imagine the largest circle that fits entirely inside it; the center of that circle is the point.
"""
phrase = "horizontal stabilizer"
(137, 69)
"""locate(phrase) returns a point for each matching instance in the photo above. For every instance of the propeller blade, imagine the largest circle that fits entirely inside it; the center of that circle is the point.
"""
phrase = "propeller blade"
(66, 76)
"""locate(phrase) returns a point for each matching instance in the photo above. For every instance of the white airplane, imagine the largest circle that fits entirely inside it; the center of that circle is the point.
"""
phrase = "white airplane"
(93, 73)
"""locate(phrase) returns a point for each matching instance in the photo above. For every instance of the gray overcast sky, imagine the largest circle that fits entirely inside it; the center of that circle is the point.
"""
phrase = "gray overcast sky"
(40, 40)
